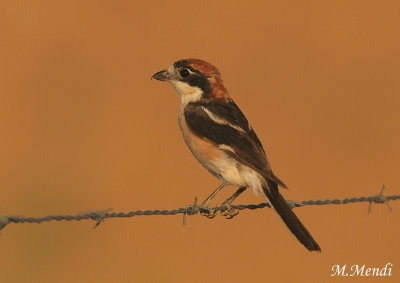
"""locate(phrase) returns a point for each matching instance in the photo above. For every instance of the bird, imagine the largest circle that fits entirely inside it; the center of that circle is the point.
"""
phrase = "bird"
(223, 142)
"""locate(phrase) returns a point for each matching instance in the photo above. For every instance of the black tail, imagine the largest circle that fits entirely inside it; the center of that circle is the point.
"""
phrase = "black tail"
(292, 222)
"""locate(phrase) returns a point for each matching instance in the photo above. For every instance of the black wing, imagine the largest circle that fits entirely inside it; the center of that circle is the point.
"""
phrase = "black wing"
(228, 126)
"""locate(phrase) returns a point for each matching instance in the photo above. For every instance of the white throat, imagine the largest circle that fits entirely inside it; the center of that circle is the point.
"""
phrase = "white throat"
(186, 92)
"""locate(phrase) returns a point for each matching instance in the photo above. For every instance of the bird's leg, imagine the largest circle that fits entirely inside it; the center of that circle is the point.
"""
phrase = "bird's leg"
(229, 212)
(211, 212)
(207, 201)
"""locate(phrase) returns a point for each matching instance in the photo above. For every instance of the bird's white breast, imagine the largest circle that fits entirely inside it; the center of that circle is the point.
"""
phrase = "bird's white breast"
(216, 160)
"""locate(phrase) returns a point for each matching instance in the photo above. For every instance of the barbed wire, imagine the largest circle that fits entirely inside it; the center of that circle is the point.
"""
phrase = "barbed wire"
(100, 216)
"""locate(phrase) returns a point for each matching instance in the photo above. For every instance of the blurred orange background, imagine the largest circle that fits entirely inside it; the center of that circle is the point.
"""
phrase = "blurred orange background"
(83, 127)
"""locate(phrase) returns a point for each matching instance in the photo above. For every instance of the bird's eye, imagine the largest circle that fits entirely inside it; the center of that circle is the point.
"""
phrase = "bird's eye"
(184, 73)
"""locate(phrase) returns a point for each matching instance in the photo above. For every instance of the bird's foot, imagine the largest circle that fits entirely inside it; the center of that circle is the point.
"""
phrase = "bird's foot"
(229, 212)
(208, 212)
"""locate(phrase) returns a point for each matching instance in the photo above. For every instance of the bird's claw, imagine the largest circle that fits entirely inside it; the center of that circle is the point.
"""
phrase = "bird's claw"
(208, 212)
(229, 212)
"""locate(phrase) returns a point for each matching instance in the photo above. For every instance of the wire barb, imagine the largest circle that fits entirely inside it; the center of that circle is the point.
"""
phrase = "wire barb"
(100, 216)
(190, 210)
(3, 221)
(293, 204)
(96, 215)
(379, 198)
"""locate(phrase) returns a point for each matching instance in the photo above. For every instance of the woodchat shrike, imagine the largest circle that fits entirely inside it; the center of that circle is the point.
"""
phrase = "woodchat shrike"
(222, 140)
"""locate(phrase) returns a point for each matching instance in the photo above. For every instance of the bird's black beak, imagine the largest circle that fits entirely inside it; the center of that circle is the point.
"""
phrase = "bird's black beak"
(162, 76)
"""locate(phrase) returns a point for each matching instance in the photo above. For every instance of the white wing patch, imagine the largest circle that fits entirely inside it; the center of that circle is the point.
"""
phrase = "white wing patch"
(220, 120)
(226, 147)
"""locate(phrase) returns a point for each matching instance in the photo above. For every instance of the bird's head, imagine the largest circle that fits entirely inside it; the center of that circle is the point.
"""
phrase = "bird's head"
(194, 80)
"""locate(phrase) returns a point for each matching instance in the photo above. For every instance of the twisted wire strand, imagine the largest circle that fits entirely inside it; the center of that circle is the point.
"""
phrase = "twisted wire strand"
(100, 216)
